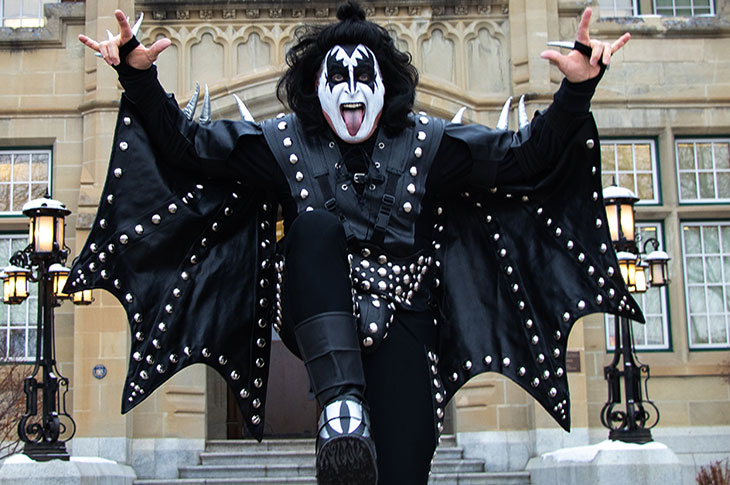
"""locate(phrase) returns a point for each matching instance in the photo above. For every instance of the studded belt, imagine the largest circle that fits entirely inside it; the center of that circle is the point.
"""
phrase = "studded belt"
(381, 283)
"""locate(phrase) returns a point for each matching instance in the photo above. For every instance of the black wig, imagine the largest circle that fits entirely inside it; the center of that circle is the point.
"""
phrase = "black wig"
(304, 59)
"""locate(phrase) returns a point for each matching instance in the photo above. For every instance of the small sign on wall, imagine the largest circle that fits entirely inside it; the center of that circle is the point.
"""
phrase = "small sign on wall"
(99, 371)
(572, 361)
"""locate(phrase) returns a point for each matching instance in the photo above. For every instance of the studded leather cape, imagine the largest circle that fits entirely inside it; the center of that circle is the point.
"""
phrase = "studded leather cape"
(191, 261)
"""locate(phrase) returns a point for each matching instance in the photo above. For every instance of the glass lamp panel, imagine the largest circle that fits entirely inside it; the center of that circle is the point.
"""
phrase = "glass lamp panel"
(627, 221)
(43, 233)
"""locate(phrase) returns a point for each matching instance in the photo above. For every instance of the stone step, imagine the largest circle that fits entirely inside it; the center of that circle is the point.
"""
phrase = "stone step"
(246, 446)
(484, 478)
(247, 471)
(292, 470)
(229, 481)
(291, 461)
(261, 458)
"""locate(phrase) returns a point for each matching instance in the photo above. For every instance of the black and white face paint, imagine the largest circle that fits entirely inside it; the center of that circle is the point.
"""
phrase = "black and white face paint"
(351, 92)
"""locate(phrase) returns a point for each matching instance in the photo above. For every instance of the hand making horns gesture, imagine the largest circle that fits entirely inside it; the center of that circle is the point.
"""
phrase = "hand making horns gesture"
(575, 65)
(141, 57)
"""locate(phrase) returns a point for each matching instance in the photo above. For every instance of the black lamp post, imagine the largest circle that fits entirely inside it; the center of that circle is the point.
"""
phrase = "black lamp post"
(632, 424)
(42, 261)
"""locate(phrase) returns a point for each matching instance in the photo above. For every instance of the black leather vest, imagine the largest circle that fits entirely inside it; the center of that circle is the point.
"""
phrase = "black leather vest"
(386, 212)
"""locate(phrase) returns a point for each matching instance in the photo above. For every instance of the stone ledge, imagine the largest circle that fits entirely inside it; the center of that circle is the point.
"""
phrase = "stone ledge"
(58, 15)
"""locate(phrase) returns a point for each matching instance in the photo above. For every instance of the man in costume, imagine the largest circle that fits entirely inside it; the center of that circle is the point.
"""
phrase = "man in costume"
(418, 253)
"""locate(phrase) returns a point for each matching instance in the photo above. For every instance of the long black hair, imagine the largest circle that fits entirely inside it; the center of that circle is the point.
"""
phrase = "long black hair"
(304, 59)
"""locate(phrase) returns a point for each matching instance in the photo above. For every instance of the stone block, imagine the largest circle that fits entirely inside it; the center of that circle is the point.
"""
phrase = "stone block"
(21, 470)
(605, 463)
(709, 413)
(500, 450)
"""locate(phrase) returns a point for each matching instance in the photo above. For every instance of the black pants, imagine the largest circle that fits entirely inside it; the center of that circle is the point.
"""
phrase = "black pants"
(397, 375)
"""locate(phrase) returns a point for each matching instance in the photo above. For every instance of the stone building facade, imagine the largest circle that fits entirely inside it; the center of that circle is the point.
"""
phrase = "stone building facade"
(663, 110)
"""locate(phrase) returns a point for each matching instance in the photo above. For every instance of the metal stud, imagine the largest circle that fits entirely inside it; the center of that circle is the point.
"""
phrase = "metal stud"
(299, 176)
(556, 352)
(599, 223)
(506, 362)
(287, 142)
(137, 318)
(559, 372)
(172, 208)
(421, 135)
(590, 143)
(535, 339)
(367, 342)
(557, 335)
(467, 365)
(244, 393)
(118, 172)
(521, 371)
(293, 158)
(304, 193)
(407, 207)
(123, 146)
(454, 377)
(162, 326)
(205, 352)
(255, 419)
(139, 229)
(281, 125)
(540, 358)
(581, 305)
(566, 317)
(137, 356)
(411, 188)
(487, 359)
(103, 223)
(129, 298)
(599, 299)
(144, 375)
(569, 245)
(260, 363)
(413, 171)
(528, 323)
(603, 248)
(535, 382)
(117, 284)
(418, 152)
(423, 120)
(257, 383)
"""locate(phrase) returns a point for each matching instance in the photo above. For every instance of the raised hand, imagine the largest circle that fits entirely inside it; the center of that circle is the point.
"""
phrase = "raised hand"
(577, 67)
(140, 58)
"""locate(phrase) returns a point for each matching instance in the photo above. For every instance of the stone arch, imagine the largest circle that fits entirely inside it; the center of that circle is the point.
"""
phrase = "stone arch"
(252, 50)
(487, 58)
(207, 57)
(438, 49)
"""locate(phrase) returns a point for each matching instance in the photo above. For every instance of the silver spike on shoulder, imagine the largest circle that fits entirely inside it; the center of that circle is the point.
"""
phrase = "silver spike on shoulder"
(189, 110)
(503, 122)
(459, 115)
(205, 114)
(522, 119)
(243, 110)
(137, 24)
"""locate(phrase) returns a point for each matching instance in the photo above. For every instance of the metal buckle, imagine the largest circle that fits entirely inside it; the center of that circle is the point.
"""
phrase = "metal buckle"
(360, 178)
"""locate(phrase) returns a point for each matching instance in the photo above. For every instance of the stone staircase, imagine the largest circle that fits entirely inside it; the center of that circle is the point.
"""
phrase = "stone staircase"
(280, 462)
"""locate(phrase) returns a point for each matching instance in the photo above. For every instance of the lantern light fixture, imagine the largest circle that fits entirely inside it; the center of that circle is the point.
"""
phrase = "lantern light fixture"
(15, 284)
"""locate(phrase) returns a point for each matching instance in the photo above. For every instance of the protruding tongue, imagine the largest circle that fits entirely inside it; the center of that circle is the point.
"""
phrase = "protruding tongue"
(353, 119)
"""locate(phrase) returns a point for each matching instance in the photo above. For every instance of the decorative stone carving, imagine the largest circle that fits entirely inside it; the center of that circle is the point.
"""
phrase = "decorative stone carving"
(159, 14)
(275, 13)
(391, 11)
(321, 12)
(229, 13)
(182, 14)
(253, 13)
(206, 14)
(414, 11)
(297, 13)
